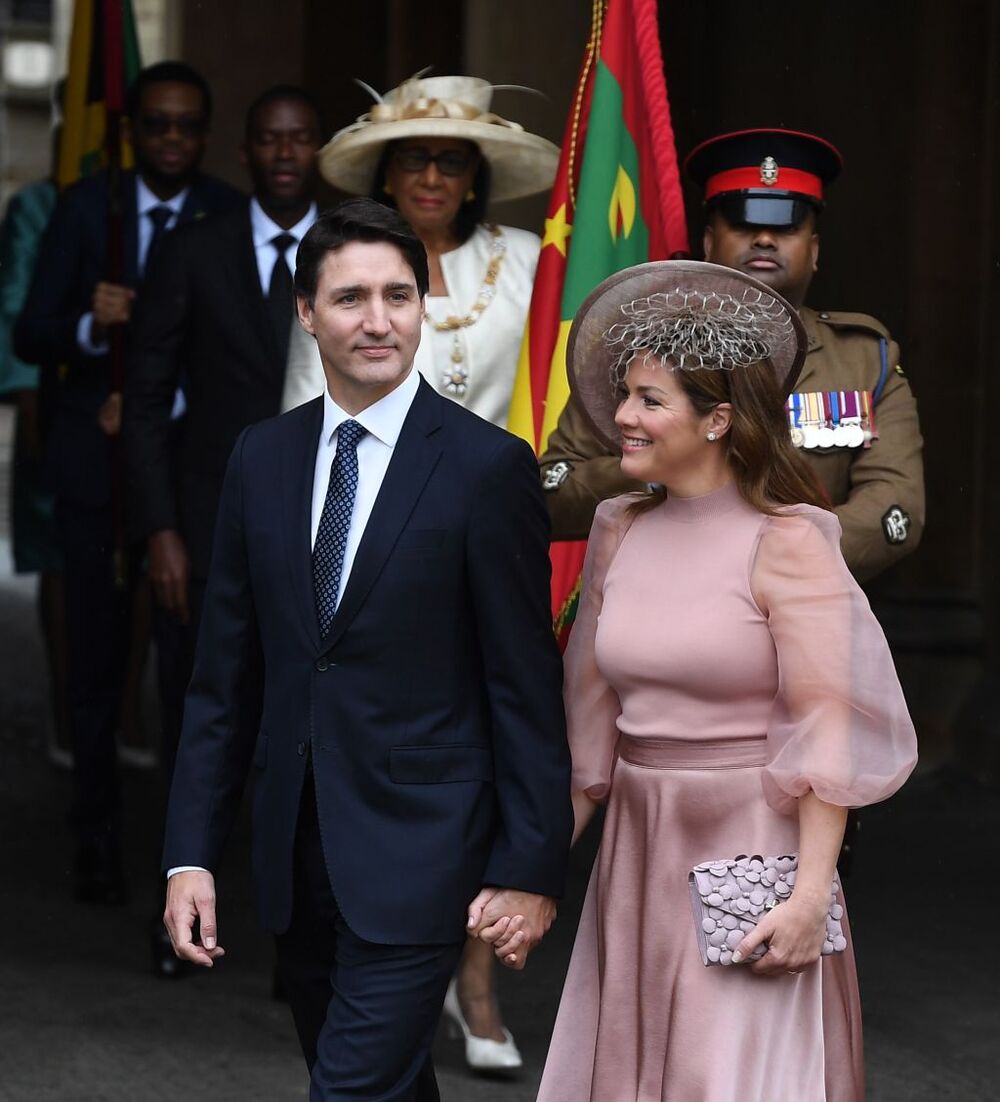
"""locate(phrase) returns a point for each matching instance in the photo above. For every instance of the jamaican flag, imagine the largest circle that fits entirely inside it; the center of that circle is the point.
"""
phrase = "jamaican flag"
(616, 202)
(103, 60)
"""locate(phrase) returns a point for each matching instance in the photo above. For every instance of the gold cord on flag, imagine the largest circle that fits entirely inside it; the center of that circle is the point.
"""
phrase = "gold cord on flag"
(593, 49)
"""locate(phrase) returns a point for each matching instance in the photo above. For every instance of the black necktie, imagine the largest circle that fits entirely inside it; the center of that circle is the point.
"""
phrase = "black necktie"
(159, 216)
(331, 536)
(280, 293)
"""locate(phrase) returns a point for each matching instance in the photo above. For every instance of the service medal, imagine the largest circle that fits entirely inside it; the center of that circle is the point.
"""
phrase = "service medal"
(825, 437)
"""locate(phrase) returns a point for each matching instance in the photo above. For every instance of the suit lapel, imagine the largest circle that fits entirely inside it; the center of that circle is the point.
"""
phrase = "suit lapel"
(414, 458)
(250, 292)
(298, 467)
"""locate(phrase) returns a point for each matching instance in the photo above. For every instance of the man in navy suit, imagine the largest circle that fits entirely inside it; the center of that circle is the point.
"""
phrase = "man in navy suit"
(72, 309)
(380, 571)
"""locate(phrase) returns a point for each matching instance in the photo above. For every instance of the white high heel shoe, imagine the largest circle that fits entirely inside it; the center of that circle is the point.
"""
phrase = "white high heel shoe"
(481, 1053)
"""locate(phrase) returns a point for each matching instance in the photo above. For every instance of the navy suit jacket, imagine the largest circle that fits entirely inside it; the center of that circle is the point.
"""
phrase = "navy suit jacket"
(432, 710)
(202, 310)
(72, 261)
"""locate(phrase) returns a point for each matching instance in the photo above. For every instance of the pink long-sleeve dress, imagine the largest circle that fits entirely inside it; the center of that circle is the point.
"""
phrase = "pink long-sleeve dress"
(723, 663)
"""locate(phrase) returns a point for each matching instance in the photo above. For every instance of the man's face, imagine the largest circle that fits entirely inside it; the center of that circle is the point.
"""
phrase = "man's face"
(168, 132)
(366, 319)
(280, 153)
(783, 257)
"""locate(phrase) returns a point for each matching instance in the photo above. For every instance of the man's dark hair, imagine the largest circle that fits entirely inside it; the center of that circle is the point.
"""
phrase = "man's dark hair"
(282, 93)
(357, 220)
(470, 214)
(167, 72)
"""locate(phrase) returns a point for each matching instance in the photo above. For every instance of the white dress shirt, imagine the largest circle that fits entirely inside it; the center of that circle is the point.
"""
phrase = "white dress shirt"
(265, 231)
(145, 201)
(384, 422)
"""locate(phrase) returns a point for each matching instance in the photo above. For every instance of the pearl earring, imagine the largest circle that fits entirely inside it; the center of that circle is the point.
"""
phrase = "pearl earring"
(711, 437)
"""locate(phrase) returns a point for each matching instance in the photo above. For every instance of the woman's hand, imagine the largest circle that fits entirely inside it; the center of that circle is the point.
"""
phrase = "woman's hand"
(794, 931)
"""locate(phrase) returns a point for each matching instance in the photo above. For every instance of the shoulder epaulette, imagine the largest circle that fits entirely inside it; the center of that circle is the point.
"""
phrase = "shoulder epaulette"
(842, 319)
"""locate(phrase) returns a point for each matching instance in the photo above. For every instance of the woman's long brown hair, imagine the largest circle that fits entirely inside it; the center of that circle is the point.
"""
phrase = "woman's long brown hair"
(766, 465)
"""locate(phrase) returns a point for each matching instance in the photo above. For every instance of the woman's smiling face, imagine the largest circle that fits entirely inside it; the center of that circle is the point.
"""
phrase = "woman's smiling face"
(664, 439)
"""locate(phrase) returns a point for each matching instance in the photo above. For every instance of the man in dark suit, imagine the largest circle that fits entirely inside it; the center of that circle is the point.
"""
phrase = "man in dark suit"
(380, 568)
(218, 313)
(69, 315)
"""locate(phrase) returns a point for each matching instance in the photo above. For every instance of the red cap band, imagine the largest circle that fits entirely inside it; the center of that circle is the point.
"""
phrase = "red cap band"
(742, 179)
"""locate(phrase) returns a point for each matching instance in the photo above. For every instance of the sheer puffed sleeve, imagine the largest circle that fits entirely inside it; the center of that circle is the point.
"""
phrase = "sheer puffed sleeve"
(839, 725)
(592, 705)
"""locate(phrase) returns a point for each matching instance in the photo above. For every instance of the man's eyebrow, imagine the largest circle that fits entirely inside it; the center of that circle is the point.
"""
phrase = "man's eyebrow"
(365, 288)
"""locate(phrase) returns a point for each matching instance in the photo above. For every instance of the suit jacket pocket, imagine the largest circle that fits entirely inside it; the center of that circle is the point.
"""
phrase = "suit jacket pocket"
(420, 539)
(260, 751)
(440, 764)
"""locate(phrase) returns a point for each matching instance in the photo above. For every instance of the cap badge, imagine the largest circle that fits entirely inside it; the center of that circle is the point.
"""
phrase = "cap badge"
(769, 171)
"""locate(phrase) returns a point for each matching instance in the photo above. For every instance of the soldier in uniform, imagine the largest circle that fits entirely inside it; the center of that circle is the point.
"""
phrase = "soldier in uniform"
(853, 413)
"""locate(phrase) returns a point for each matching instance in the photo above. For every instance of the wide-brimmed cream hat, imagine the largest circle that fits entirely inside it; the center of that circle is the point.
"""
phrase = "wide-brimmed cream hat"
(694, 314)
(441, 107)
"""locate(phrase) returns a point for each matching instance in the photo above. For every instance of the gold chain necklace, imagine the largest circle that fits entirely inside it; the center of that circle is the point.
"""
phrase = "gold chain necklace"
(455, 378)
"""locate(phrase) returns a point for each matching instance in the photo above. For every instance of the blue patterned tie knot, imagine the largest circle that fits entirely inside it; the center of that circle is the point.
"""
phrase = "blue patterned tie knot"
(334, 524)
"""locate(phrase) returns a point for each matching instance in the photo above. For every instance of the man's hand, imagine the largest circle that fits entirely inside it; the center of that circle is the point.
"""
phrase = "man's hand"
(111, 304)
(190, 896)
(169, 571)
(109, 416)
(513, 922)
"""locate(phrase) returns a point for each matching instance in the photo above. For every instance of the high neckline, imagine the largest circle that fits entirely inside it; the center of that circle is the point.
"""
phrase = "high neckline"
(690, 510)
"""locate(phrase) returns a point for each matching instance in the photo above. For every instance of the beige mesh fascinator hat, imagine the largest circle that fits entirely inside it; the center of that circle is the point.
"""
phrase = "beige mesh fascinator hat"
(696, 315)
(440, 107)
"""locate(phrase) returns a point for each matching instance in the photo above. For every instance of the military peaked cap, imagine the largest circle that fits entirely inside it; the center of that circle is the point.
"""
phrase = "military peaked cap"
(764, 177)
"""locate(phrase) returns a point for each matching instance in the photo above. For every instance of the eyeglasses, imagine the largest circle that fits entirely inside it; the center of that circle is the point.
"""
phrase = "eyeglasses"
(158, 126)
(451, 162)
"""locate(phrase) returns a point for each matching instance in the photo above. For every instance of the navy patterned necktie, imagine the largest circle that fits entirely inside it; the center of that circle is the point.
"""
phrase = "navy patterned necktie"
(331, 536)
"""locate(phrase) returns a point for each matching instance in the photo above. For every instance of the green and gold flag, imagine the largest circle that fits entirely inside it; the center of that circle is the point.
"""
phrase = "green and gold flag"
(103, 61)
(616, 201)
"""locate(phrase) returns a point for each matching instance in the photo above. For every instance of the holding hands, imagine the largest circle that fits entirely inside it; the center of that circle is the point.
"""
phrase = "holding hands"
(512, 921)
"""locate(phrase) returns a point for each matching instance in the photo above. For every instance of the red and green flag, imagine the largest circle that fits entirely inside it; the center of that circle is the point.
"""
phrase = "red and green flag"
(103, 61)
(616, 201)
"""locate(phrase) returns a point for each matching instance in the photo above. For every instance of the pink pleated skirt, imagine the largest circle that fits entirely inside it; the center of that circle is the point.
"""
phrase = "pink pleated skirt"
(642, 1019)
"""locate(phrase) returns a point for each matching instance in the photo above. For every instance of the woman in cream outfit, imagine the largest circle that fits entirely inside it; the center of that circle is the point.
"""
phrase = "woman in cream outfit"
(433, 149)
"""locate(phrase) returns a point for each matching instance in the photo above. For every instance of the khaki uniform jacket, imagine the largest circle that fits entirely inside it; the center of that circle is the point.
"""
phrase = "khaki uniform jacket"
(868, 487)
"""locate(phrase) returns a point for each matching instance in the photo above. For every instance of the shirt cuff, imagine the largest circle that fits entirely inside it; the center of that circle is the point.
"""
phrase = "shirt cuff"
(185, 868)
(83, 340)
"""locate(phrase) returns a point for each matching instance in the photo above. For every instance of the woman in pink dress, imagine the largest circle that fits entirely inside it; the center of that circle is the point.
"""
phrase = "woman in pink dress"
(728, 692)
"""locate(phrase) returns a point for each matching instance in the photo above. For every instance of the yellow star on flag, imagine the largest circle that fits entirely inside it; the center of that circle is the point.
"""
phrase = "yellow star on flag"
(557, 229)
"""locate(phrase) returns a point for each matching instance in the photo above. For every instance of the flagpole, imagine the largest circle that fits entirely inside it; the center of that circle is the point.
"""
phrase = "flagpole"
(114, 100)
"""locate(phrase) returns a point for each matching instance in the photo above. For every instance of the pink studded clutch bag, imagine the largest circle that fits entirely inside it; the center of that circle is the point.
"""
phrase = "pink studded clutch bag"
(731, 896)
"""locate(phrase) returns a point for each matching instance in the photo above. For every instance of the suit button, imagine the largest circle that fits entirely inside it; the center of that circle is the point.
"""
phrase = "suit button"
(322, 665)
(301, 749)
